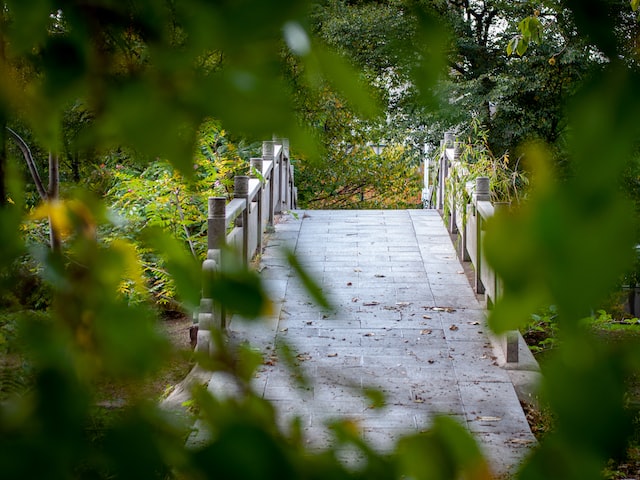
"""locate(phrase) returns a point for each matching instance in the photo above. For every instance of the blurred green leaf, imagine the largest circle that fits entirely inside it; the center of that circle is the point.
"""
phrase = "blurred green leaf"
(446, 451)
(308, 282)
(184, 269)
(226, 456)
(238, 289)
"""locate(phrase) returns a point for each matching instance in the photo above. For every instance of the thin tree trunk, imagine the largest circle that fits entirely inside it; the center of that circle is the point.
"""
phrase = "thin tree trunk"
(33, 168)
(52, 195)
(3, 119)
(3, 160)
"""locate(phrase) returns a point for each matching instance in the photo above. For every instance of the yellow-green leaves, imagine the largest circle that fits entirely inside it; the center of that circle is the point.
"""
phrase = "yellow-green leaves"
(530, 30)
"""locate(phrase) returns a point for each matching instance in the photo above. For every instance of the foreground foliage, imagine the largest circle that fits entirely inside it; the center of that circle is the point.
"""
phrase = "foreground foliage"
(145, 75)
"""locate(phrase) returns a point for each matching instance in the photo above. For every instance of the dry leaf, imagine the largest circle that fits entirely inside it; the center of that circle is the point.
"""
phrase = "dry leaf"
(521, 441)
(370, 304)
(426, 317)
(379, 275)
(349, 284)
(443, 309)
(332, 355)
(369, 334)
(454, 328)
(425, 332)
(473, 323)
(489, 419)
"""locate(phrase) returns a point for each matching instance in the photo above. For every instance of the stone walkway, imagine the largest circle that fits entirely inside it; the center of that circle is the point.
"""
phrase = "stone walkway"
(406, 322)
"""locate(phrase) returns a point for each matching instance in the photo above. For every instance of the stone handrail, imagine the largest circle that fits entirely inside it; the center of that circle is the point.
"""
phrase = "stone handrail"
(242, 222)
(468, 221)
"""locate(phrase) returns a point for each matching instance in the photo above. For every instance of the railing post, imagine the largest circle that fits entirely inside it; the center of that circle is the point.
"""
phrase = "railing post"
(216, 228)
(256, 163)
(441, 177)
(285, 186)
(482, 194)
(241, 190)
(267, 156)
(287, 162)
(449, 138)
(209, 316)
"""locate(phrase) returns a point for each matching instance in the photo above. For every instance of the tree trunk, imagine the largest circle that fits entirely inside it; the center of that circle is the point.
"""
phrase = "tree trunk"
(52, 195)
(3, 160)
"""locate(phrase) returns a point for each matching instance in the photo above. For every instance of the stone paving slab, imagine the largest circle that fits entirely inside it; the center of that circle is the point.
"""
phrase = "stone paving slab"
(407, 322)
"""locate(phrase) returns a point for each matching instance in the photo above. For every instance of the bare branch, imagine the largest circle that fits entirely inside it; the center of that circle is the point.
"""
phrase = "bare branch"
(33, 169)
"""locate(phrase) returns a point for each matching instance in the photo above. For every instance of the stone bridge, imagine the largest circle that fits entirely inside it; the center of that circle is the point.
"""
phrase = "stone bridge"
(406, 321)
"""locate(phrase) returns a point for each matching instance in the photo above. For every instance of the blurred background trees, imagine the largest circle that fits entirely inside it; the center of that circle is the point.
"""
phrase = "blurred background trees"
(151, 106)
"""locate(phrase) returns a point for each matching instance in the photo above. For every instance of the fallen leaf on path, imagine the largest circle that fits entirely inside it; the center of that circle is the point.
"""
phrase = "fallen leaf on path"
(425, 332)
(332, 355)
(454, 328)
(369, 334)
(370, 304)
(426, 317)
(403, 304)
(473, 323)
(521, 441)
(489, 419)
(349, 284)
(379, 275)
(303, 357)
(354, 299)
(443, 309)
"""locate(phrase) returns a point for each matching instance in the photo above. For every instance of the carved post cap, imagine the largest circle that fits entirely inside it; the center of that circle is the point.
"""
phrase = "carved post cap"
(482, 186)
(457, 150)
(449, 137)
(268, 149)
(241, 186)
(217, 207)
(256, 163)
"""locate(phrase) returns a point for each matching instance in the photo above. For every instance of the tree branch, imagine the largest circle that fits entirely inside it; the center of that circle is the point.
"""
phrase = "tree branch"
(33, 169)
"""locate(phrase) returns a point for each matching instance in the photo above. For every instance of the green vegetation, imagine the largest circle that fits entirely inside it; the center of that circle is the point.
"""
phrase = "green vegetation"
(125, 107)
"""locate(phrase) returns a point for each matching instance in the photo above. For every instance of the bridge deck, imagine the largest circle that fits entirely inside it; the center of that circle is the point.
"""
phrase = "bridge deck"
(407, 323)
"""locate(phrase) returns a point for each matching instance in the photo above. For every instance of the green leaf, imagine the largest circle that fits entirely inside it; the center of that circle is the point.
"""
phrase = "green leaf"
(446, 451)
(238, 289)
(183, 268)
(323, 64)
(512, 45)
(308, 282)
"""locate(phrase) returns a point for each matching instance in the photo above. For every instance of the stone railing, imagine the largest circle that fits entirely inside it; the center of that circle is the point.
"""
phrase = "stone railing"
(241, 223)
(468, 221)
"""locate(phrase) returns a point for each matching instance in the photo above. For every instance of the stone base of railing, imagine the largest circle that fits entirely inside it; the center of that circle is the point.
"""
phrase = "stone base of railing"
(525, 372)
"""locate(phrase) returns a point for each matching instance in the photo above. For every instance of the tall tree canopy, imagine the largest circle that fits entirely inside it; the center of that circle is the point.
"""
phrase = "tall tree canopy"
(145, 73)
